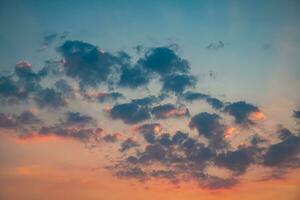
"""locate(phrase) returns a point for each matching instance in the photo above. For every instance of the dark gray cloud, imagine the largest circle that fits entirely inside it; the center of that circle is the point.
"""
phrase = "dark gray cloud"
(207, 124)
(64, 87)
(178, 83)
(149, 131)
(296, 114)
(190, 96)
(284, 153)
(77, 119)
(23, 121)
(215, 103)
(147, 101)
(7, 121)
(112, 138)
(86, 63)
(134, 77)
(128, 144)
(238, 160)
(169, 110)
(50, 98)
(130, 113)
(10, 90)
(164, 61)
(241, 112)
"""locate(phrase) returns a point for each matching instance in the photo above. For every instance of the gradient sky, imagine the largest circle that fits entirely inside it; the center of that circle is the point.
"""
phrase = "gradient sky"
(149, 100)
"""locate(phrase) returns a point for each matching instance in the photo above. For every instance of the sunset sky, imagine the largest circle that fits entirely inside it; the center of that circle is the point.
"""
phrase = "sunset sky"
(142, 100)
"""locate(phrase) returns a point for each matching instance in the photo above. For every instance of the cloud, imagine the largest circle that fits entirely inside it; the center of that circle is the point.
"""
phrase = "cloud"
(77, 119)
(64, 87)
(21, 121)
(296, 114)
(20, 84)
(130, 113)
(215, 46)
(238, 160)
(177, 84)
(112, 96)
(207, 124)
(190, 96)
(146, 101)
(128, 144)
(112, 138)
(82, 134)
(149, 131)
(241, 112)
(215, 182)
(169, 110)
(134, 77)
(50, 98)
(164, 61)
(10, 90)
(49, 39)
(86, 63)
(284, 153)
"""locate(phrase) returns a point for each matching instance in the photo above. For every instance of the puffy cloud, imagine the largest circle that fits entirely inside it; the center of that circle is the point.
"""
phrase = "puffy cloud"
(134, 77)
(10, 90)
(169, 110)
(130, 113)
(238, 160)
(149, 131)
(50, 98)
(86, 63)
(215, 103)
(241, 111)
(178, 83)
(284, 153)
(207, 124)
(164, 61)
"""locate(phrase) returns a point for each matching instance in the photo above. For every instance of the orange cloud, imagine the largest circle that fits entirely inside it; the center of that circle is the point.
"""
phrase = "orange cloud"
(257, 116)
(229, 131)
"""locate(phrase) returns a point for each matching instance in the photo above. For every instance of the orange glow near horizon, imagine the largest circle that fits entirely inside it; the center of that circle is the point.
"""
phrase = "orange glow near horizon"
(83, 179)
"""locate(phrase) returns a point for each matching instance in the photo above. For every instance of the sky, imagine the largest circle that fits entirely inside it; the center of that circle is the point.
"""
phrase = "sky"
(149, 100)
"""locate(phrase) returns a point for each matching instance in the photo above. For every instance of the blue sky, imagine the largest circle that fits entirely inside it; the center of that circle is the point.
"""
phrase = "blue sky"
(261, 37)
